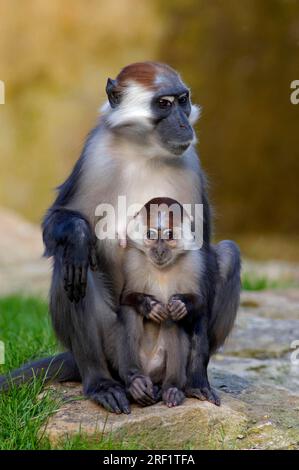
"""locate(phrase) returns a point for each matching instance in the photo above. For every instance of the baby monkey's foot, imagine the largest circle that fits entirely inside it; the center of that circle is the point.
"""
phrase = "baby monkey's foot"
(142, 390)
(173, 397)
(176, 308)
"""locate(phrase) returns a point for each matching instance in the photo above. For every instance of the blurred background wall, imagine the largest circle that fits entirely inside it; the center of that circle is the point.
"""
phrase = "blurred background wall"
(239, 57)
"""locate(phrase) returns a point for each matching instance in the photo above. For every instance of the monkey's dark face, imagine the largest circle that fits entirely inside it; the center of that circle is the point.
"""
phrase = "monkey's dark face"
(161, 230)
(171, 111)
(149, 102)
(161, 247)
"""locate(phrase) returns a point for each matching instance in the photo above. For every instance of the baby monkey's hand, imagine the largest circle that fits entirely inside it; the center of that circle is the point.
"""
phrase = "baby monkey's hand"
(176, 308)
(157, 312)
(146, 305)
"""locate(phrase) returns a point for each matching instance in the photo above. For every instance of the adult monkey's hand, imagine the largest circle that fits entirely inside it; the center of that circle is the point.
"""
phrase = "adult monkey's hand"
(68, 237)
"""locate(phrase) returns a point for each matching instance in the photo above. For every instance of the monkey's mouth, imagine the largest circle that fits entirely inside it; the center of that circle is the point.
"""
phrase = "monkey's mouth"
(178, 147)
(160, 264)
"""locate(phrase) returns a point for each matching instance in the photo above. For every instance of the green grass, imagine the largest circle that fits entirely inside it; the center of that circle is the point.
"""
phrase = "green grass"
(251, 282)
(26, 332)
(25, 329)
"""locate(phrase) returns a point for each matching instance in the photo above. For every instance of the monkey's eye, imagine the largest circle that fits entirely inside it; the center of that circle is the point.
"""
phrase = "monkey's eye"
(164, 103)
(168, 234)
(183, 99)
(152, 234)
(115, 97)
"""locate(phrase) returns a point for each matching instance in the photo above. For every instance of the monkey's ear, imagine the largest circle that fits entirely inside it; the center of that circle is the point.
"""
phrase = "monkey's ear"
(112, 93)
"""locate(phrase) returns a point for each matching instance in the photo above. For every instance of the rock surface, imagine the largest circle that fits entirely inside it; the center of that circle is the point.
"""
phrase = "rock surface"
(194, 424)
(254, 375)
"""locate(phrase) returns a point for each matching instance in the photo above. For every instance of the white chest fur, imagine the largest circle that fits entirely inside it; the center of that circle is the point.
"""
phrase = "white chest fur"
(143, 181)
(111, 171)
(183, 277)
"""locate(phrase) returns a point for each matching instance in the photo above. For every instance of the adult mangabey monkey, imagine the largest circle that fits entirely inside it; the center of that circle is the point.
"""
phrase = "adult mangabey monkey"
(142, 147)
(160, 304)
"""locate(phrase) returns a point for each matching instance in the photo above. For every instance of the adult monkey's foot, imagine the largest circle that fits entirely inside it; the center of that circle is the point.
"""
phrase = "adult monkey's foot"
(204, 392)
(142, 390)
(112, 397)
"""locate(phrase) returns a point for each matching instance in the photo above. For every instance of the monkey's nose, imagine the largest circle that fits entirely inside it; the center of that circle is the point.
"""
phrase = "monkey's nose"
(161, 253)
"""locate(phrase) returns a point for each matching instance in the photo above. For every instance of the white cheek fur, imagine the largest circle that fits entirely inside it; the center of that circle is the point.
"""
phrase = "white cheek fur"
(135, 107)
(195, 114)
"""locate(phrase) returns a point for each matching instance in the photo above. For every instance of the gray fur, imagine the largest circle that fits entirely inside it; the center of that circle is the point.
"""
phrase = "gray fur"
(227, 292)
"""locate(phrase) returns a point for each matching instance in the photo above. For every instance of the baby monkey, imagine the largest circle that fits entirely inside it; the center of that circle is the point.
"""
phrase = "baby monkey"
(159, 303)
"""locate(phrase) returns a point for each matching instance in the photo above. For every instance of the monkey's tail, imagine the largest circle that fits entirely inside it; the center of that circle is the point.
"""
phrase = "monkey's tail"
(60, 368)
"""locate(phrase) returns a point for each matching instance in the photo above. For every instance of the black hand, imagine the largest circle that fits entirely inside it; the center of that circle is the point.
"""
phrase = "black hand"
(76, 261)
